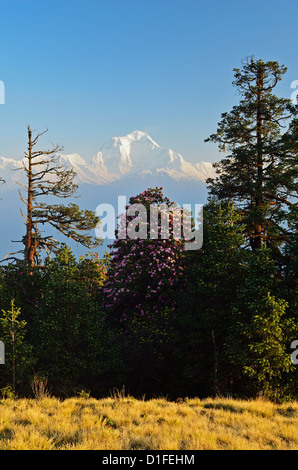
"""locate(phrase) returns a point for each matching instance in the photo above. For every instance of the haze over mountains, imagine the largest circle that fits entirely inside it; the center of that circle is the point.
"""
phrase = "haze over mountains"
(124, 166)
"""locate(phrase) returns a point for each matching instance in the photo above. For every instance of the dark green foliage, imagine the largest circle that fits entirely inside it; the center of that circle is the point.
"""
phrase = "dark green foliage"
(72, 343)
(18, 353)
(66, 328)
(212, 276)
(261, 330)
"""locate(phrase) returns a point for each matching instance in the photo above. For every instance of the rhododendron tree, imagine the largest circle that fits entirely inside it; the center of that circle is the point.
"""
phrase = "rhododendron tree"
(143, 273)
(145, 276)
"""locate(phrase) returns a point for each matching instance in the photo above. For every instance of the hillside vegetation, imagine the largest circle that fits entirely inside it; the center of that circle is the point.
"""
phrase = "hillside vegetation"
(125, 423)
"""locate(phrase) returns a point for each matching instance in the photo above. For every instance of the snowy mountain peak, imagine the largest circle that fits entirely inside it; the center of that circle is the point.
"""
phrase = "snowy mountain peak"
(134, 154)
(134, 136)
(74, 159)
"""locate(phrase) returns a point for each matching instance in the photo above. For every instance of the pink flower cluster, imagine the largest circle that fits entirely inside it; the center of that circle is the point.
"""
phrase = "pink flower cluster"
(143, 274)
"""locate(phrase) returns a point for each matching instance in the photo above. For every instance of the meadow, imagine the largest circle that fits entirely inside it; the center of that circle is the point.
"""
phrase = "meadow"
(126, 423)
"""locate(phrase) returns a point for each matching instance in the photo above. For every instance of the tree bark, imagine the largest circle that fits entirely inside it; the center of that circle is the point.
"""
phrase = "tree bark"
(215, 365)
(256, 241)
(29, 248)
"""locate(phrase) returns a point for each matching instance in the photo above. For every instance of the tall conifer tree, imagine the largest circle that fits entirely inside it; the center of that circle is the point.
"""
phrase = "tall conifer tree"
(259, 174)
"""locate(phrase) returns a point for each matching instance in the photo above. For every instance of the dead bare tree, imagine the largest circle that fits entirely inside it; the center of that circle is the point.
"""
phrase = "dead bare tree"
(47, 177)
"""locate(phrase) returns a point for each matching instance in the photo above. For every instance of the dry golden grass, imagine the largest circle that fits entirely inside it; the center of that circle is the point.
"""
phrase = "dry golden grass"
(124, 423)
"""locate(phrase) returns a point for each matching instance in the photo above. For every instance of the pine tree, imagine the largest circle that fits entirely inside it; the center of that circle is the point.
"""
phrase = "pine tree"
(18, 353)
(47, 178)
(213, 275)
(260, 172)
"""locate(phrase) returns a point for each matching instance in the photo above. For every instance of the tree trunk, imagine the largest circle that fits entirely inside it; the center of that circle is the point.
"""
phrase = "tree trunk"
(215, 365)
(29, 247)
(256, 241)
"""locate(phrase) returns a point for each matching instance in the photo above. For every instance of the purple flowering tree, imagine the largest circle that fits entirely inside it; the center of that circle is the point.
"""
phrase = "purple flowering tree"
(144, 279)
(145, 274)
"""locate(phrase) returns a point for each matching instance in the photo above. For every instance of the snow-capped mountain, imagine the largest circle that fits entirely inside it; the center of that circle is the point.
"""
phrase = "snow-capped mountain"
(135, 154)
(125, 165)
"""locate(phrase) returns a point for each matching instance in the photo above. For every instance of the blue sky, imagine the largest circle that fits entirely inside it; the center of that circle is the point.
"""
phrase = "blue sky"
(89, 70)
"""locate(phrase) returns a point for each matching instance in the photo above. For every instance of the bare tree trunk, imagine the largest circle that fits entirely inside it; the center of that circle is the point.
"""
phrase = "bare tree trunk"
(46, 176)
(29, 249)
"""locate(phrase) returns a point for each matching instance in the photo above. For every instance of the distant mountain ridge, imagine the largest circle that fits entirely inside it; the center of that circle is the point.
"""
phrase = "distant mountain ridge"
(135, 154)
(125, 166)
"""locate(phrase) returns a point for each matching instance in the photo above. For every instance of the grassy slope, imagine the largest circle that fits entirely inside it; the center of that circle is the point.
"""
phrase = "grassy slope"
(127, 423)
